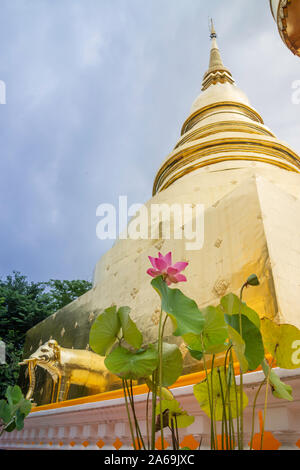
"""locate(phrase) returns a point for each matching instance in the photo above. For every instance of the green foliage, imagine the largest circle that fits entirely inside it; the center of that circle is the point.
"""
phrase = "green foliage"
(239, 347)
(105, 330)
(176, 416)
(184, 312)
(64, 292)
(13, 410)
(23, 304)
(231, 328)
(283, 343)
(231, 305)
(172, 363)
(131, 333)
(198, 355)
(216, 396)
(212, 339)
(116, 326)
(132, 365)
(166, 394)
(215, 331)
(279, 389)
(254, 348)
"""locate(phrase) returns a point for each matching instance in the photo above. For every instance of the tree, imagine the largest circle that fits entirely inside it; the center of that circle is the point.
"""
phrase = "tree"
(64, 292)
(23, 304)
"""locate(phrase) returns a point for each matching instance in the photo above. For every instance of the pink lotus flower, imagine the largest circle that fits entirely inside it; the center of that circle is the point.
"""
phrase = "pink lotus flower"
(162, 266)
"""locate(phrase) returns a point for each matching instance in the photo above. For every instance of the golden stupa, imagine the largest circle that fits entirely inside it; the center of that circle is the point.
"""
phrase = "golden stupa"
(249, 183)
(286, 13)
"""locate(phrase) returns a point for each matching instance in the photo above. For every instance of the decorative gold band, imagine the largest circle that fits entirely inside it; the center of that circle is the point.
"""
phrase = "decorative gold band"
(220, 160)
(198, 115)
(226, 126)
(187, 159)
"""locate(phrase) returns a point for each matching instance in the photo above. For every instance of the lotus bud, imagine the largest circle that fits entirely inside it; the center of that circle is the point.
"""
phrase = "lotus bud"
(252, 280)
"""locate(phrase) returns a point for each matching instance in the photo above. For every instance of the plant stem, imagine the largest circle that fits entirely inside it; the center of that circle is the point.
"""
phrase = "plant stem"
(236, 400)
(266, 400)
(154, 397)
(160, 374)
(241, 377)
(253, 412)
(173, 434)
(212, 400)
(5, 426)
(164, 325)
(134, 418)
(224, 417)
(147, 420)
(228, 381)
(265, 413)
(177, 434)
(128, 414)
(139, 434)
(212, 437)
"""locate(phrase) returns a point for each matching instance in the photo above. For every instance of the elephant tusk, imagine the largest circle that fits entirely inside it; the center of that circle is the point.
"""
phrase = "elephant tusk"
(23, 363)
(31, 366)
(26, 362)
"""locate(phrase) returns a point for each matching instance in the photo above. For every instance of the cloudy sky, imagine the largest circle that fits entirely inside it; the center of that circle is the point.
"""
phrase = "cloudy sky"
(97, 91)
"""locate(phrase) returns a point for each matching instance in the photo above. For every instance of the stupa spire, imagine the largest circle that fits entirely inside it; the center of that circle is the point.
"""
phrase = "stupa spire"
(217, 72)
(213, 33)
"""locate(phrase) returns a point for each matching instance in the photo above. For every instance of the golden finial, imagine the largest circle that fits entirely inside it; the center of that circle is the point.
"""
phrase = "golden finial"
(217, 72)
(213, 33)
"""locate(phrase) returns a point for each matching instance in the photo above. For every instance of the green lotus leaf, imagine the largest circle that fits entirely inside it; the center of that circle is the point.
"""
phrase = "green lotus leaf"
(214, 334)
(282, 342)
(183, 419)
(25, 407)
(165, 393)
(172, 364)
(132, 365)
(11, 427)
(19, 419)
(131, 333)
(254, 350)
(230, 305)
(104, 331)
(5, 413)
(14, 411)
(14, 395)
(215, 331)
(219, 388)
(239, 347)
(196, 354)
(279, 388)
(183, 311)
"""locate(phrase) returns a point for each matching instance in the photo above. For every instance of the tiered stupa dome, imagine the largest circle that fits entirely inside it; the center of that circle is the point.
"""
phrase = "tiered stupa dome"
(223, 126)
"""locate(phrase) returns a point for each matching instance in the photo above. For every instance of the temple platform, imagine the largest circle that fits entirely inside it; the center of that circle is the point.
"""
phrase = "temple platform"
(100, 422)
